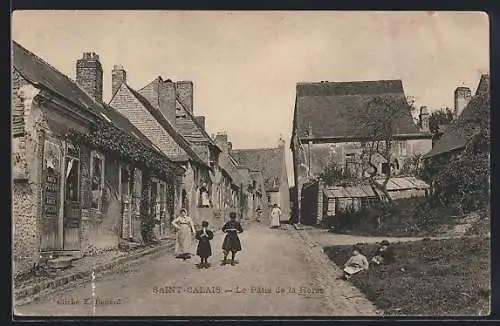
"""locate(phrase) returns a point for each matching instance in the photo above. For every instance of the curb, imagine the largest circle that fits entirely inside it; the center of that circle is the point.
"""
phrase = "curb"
(318, 256)
(32, 292)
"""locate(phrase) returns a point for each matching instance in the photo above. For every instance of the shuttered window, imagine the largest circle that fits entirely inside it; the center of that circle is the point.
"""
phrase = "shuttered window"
(17, 122)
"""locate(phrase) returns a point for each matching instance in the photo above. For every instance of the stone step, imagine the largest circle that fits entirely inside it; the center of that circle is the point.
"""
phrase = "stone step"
(60, 262)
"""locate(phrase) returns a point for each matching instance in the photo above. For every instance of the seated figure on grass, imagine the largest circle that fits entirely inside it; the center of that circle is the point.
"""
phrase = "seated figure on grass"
(384, 254)
(355, 264)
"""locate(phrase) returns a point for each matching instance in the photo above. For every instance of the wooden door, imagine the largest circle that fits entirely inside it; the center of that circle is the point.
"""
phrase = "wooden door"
(51, 197)
(126, 189)
(72, 207)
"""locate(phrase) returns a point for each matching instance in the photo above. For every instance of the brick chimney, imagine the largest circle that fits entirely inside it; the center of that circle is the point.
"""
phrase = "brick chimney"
(424, 119)
(118, 77)
(89, 75)
(201, 121)
(166, 98)
(221, 141)
(462, 98)
(184, 90)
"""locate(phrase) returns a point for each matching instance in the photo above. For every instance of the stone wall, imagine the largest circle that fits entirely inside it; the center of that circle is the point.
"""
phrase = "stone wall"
(27, 154)
(125, 103)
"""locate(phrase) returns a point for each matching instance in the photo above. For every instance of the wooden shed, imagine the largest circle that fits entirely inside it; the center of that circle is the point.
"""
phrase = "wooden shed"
(350, 197)
(404, 187)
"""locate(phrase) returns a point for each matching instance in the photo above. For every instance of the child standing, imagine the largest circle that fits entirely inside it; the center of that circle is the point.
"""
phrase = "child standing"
(204, 249)
(231, 241)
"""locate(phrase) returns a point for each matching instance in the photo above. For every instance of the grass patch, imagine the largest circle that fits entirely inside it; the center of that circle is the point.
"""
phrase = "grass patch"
(428, 278)
(411, 217)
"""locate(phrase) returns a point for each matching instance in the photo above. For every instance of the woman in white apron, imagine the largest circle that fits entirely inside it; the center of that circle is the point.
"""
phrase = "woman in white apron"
(275, 216)
(185, 230)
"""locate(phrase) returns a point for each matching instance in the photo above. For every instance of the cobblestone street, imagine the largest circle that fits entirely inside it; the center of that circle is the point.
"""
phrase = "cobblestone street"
(280, 273)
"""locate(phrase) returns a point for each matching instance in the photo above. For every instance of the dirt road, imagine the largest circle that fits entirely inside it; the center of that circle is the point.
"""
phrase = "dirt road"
(276, 275)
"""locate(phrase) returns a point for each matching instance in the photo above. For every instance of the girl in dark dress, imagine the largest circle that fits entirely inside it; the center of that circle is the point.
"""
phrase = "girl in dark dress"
(231, 241)
(204, 249)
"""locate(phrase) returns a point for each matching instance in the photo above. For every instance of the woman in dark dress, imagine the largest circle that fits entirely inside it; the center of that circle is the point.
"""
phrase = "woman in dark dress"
(231, 241)
(204, 249)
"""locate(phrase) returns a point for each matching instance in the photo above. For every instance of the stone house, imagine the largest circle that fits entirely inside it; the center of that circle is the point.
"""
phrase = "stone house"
(270, 162)
(231, 184)
(70, 183)
(153, 110)
(328, 127)
(462, 129)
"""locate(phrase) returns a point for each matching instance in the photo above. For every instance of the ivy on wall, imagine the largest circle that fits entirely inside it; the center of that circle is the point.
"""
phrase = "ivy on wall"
(117, 142)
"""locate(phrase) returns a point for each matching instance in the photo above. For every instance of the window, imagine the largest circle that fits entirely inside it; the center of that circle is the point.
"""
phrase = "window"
(402, 148)
(72, 179)
(72, 164)
(268, 198)
(97, 177)
(385, 168)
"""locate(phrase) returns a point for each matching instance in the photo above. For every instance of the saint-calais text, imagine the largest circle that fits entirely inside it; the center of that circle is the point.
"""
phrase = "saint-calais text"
(301, 290)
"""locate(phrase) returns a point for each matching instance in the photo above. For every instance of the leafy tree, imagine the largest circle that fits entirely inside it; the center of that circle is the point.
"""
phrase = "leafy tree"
(378, 126)
(332, 174)
(465, 179)
(441, 117)
(414, 166)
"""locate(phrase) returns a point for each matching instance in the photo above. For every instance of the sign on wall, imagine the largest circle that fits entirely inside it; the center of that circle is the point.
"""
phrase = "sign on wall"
(51, 180)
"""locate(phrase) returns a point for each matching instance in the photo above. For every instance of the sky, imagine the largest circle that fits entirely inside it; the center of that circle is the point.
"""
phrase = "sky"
(245, 64)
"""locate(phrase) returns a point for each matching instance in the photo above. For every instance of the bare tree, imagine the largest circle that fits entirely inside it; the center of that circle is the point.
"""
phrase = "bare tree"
(379, 122)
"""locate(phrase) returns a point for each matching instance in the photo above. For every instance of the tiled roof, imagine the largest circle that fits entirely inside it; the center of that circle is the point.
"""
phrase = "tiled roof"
(484, 85)
(335, 109)
(190, 127)
(403, 183)
(39, 72)
(459, 131)
(179, 139)
(361, 191)
(231, 169)
(267, 160)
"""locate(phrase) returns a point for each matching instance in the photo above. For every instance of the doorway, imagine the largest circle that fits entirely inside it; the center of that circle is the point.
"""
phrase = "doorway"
(126, 191)
(72, 207)
(51, 197)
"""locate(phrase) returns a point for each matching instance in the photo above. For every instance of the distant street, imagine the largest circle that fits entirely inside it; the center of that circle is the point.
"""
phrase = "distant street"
(275, 276)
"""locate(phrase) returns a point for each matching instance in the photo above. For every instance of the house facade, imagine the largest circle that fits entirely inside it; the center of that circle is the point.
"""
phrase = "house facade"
(328, 127)
(152, 111)
(473, 111)
(74, 191)
(163, 110)
(270, 162)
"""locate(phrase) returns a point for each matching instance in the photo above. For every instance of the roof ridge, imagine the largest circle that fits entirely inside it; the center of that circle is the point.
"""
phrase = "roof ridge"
(256, 149)
(52, 68)
(58, 72)
(349, 82)
(195, 121)
(187, 144)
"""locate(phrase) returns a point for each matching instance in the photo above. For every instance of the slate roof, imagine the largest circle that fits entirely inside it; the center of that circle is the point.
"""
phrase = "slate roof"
(40, 73)
(267, 160)
(335, 109)
(179, 139)
(403, 183)
(231, 169)
(361, 191)
(484, 85)
(191, 128)
(459, 131)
